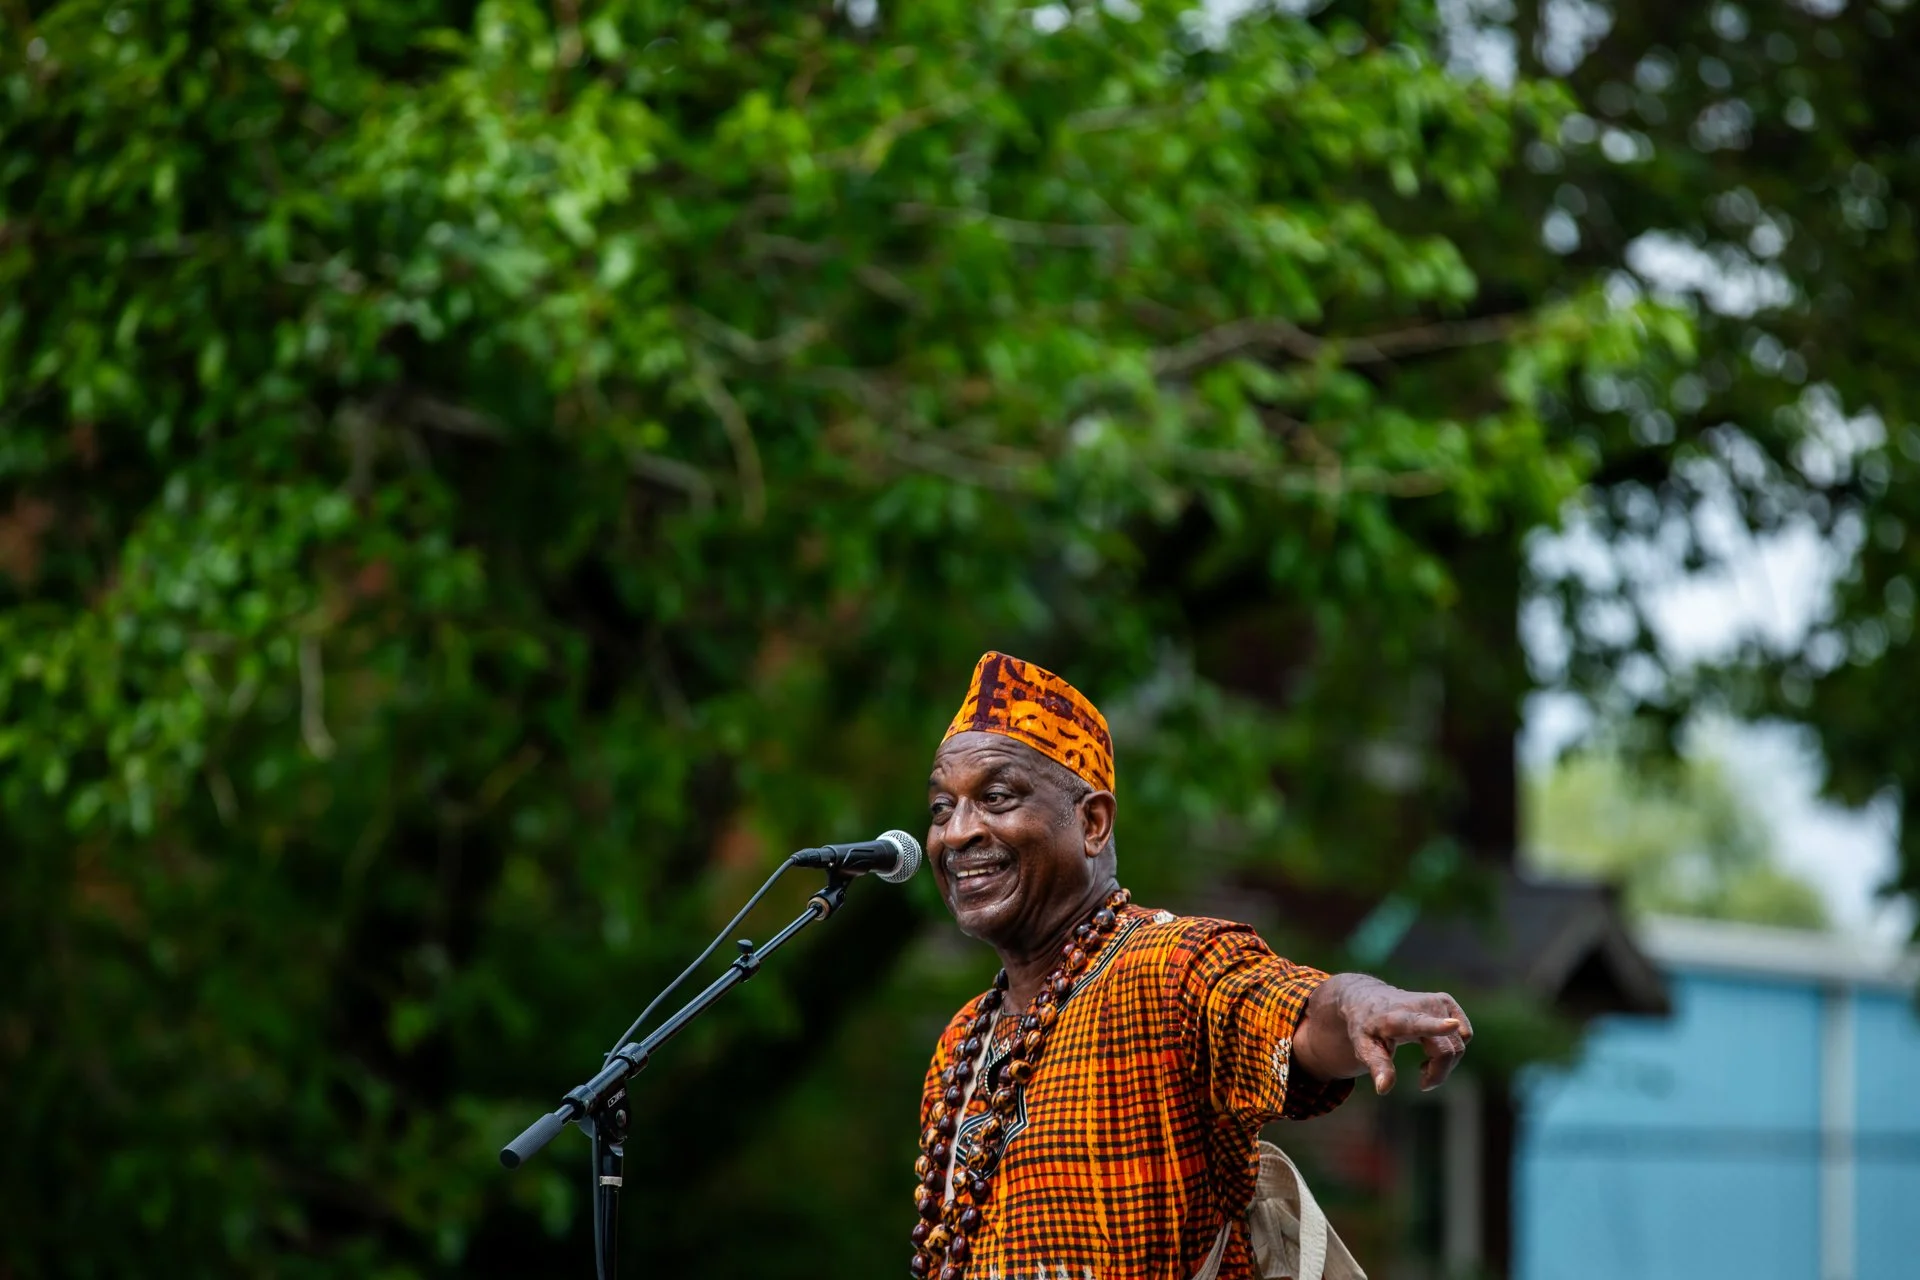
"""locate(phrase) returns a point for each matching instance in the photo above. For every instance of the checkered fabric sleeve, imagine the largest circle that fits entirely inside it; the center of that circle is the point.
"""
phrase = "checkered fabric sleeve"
(1240, 1005)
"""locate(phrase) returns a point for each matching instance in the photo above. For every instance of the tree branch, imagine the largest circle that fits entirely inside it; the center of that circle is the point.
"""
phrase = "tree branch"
(746, 454)
(758, 350)
(924, 455)
(220, 787)
(1102, 119)
(419, 409)
(674, 474)
(1331, 479)
(1231, 339)
(1273, 334)
(1019, 231)
(874, 277)
(313, 693)
(871, 151)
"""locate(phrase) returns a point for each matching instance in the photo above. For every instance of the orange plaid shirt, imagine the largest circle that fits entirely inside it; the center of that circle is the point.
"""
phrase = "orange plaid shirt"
(1135, 1139)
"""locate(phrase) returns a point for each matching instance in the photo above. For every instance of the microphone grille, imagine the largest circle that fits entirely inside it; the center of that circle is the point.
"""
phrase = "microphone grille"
(909, 857)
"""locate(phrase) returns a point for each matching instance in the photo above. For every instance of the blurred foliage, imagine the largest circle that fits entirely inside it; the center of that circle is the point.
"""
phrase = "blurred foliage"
(480, 481)
(1758, 163)
(1682, 841)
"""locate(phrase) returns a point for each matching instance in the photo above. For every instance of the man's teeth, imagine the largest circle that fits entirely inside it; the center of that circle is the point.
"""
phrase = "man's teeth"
(976, 873)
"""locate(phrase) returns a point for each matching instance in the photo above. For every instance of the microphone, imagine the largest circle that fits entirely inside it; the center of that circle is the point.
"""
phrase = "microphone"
(893, 856)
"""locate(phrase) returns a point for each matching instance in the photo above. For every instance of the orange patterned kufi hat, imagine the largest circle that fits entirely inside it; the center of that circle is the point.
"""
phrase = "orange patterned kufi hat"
(1019, 700)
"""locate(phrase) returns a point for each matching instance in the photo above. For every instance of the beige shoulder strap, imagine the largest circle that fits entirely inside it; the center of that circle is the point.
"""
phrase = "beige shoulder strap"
(1288, 1226)
(1287, 1229)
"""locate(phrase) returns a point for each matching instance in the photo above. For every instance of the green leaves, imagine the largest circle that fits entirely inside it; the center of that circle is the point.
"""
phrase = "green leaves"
(481, 481)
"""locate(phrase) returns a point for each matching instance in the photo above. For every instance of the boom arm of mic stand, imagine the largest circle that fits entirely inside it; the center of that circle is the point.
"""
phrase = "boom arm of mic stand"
(588, 1105)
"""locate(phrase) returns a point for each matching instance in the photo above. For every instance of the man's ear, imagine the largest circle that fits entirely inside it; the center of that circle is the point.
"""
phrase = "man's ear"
(1096, 821)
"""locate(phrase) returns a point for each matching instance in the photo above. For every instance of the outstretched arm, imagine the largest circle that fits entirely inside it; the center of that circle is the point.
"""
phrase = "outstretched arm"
(1353, 1024)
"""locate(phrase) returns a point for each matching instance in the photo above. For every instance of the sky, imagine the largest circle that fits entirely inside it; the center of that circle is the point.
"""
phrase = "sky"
(1778, 589)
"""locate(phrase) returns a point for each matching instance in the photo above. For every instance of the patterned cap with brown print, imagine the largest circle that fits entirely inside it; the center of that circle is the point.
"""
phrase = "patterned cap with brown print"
(1031, 704)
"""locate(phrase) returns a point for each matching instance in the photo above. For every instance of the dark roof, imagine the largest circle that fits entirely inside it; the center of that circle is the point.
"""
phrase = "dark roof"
(1565, 941)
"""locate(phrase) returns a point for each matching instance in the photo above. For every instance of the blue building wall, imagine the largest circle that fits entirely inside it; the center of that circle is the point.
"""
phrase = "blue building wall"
(1887, 1159)
(1690, 1148)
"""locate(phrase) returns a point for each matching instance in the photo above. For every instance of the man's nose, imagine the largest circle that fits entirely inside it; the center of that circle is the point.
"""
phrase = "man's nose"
(965, 826)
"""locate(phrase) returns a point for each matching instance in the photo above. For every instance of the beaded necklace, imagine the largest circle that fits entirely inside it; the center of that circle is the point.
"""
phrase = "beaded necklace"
(950, 1198)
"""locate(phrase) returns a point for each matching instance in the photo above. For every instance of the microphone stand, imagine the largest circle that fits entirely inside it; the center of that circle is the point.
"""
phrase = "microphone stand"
(599, 1106)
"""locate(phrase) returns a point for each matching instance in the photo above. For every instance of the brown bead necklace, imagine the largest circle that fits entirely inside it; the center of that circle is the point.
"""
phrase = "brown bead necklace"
(943, 1238)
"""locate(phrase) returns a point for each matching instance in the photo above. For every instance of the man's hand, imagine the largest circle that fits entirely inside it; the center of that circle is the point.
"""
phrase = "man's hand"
(1354, 1023)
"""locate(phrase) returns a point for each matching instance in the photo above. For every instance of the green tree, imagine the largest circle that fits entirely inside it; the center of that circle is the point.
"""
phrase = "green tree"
(1754, 162)
(1683, 841)
(479, 480)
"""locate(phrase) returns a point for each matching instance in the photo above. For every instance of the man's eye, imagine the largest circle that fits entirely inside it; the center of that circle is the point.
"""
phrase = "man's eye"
(938, 809)
(997, 796)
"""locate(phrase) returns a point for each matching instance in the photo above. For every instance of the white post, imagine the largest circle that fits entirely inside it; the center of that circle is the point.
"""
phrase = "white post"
(1837, 1120)
(1461, 1159)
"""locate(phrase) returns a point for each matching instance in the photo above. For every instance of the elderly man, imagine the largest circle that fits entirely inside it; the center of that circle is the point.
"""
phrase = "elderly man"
(1094, 1115)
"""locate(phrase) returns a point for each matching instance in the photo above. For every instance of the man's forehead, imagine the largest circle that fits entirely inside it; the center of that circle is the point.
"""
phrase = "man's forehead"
(976, 751)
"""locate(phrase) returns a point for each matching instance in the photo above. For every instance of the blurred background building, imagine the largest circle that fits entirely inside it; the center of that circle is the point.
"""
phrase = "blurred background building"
(1740, 1103)
(1769, 1126)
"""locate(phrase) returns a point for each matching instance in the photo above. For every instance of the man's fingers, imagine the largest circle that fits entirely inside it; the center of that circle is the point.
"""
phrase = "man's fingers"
(1443, 1055)
(1379, 1062)
(1404, 1026)
(1450, 1008)
(1382, 1019)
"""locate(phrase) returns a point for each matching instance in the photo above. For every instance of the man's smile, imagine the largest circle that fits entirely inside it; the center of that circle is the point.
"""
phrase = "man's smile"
(977, 876)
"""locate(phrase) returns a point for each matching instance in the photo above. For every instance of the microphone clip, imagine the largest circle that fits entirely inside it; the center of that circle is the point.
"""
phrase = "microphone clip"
(831, 894)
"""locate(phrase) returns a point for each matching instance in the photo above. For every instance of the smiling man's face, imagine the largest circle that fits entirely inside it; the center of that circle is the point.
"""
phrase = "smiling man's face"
(1011, 847)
